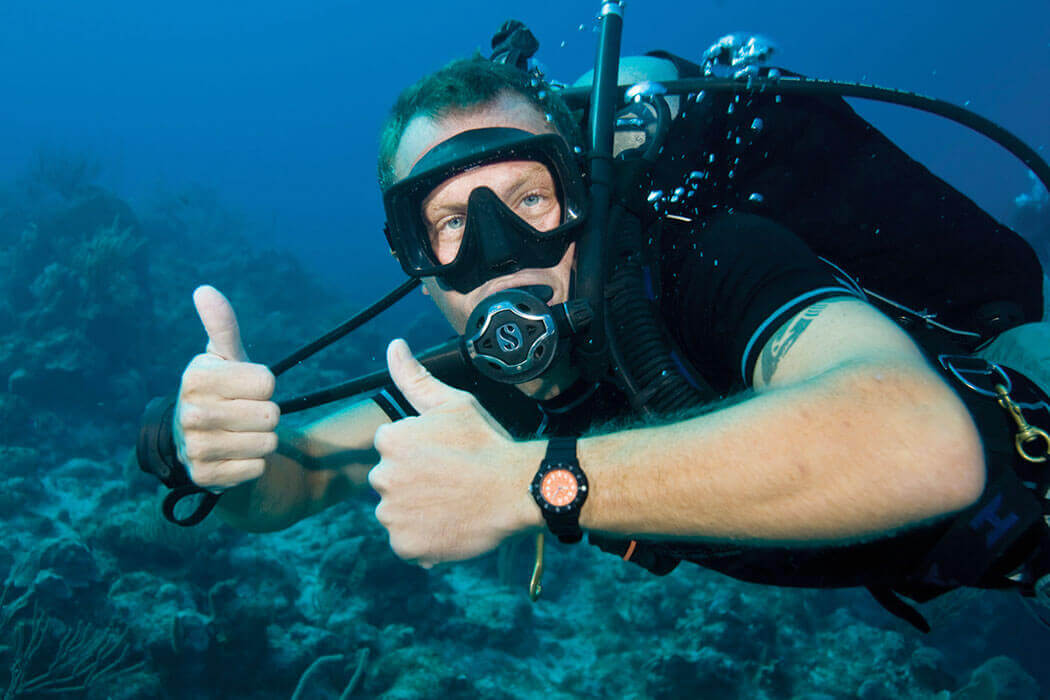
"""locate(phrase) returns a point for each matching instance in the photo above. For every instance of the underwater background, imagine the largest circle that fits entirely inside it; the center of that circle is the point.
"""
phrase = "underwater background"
(147, 148)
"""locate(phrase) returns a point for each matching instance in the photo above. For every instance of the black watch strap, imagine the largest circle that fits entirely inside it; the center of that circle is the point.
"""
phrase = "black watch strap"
(561, 449)
(562, 521)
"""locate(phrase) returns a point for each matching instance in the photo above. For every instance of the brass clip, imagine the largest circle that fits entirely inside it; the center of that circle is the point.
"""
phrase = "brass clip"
(1025, 433)
(537, 570)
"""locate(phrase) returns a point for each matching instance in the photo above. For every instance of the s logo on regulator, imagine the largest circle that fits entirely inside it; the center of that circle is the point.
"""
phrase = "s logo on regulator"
(509, 337)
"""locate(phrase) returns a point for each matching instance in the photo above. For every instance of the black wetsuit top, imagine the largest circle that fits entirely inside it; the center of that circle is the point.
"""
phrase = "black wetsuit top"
(722, 299)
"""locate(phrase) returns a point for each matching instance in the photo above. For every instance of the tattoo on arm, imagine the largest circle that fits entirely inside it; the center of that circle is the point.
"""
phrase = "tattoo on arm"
(784, 338)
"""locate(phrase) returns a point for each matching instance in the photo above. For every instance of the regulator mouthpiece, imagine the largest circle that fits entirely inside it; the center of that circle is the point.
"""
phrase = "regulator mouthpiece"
(513, 336)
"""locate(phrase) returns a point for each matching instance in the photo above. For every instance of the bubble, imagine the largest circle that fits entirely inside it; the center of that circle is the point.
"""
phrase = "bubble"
(756, 197)
(542, 94)
(737, 140)
(757, 124)
(563, 44)
(548, 117)
(696, 175)
(731, 107)
(737, 54)
(679, 191)
(778, 99)
(774, 73)
(655, 194)
(711, 158)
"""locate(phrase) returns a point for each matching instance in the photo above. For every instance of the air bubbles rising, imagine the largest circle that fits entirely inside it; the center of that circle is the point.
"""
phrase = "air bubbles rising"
(737, 54)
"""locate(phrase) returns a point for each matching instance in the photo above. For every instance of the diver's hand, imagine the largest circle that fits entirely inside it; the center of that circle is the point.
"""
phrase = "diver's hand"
(452, 482)
(224, 421)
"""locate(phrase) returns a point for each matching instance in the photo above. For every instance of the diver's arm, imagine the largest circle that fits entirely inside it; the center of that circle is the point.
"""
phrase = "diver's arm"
(313, 468)
(850, 435)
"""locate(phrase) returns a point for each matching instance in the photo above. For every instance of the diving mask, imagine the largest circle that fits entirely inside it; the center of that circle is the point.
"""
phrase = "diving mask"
(490, 238)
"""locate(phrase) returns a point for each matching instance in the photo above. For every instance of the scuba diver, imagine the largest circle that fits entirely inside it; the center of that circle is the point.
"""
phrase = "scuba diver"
(747, 374)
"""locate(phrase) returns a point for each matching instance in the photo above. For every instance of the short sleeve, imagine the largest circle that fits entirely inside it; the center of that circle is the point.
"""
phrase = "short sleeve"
(729, 284)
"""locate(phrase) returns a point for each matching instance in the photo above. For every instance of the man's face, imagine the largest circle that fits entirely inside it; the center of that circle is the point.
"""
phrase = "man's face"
(524, 186)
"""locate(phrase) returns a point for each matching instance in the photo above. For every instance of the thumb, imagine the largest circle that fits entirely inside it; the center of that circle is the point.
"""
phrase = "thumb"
(220, 323)
(420, 387)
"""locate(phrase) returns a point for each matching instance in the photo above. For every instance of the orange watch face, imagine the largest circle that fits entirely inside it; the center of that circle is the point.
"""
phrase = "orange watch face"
(559, 487)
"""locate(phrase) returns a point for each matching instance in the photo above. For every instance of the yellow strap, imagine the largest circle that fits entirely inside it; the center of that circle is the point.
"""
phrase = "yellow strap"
(535, 587)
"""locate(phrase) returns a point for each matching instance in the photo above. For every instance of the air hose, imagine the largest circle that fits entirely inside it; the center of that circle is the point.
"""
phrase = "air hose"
(796, 85)
(638, 347)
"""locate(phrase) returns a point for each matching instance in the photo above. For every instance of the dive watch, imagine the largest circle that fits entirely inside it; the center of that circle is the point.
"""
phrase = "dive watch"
(560, 489)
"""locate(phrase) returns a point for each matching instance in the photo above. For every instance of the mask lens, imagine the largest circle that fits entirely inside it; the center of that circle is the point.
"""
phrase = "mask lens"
(527, 189)
(484, 202)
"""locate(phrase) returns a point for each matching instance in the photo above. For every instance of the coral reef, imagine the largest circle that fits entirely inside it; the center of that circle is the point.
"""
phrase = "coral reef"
(104, 598)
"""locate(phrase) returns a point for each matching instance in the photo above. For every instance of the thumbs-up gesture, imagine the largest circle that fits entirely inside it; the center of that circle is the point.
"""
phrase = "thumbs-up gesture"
(452, 482)
(224, 420)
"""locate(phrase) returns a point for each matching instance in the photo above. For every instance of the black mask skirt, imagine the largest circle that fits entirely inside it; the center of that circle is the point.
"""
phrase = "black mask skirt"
(496, 241)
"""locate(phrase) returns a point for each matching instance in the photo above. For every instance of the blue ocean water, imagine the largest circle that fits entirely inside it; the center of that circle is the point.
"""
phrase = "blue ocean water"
(243, 139)
(278, 108)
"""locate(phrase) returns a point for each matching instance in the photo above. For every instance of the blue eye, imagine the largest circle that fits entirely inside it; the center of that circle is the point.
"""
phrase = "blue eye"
(531, 200)
(456, 222)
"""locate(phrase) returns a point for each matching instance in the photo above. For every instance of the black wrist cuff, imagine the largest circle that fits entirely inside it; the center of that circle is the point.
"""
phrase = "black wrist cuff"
(156, 455)
(156, 445)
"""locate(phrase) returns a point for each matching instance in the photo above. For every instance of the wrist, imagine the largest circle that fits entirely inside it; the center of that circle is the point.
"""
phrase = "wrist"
(527, 515)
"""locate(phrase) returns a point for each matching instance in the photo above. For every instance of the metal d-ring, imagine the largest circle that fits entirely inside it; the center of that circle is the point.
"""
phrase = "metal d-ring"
(984, 368)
